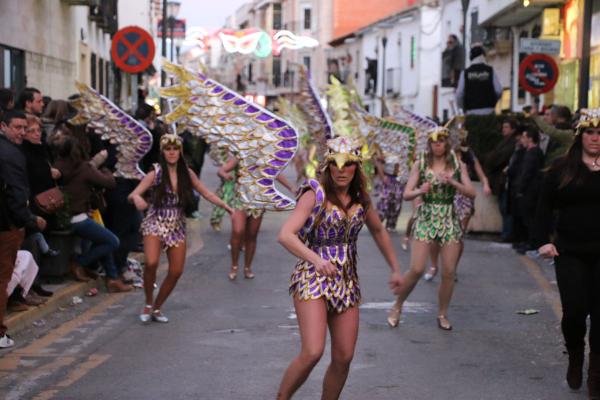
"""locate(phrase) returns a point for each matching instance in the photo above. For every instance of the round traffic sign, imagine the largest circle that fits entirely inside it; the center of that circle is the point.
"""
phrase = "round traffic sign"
(538, 73)
(132, 49)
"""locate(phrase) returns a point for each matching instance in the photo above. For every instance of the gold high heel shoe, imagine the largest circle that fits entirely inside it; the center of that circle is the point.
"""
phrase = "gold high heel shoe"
(393, 318)
(248, 274)
(233, 272)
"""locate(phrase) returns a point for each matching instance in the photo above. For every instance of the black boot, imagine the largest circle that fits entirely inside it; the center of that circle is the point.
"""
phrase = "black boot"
(575, 369)
(39, 290)
(593, 380)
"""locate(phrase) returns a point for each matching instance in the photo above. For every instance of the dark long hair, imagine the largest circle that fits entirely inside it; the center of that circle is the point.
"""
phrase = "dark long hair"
(570, 168)
(187, 201)
(70, 149)
(357, 189)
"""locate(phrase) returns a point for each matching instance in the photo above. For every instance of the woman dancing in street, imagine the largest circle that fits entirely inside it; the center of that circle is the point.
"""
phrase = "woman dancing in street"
(164, 224)
(435, 177)
(464, 206)
(324, 283)
(244, 224)
(571, 191)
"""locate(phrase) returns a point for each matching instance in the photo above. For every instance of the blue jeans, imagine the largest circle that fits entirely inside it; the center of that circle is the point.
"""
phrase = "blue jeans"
(104, 243)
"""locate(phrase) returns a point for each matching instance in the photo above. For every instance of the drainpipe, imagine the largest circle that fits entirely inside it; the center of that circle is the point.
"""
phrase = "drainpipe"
(584, 69)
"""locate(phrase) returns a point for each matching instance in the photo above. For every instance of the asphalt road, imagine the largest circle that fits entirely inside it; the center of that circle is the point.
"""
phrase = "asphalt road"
(232, 340)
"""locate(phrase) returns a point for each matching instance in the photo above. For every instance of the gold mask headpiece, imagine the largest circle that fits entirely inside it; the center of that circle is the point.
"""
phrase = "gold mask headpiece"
(343, 150)
(588, 118)
(170, 139)
(437, 133)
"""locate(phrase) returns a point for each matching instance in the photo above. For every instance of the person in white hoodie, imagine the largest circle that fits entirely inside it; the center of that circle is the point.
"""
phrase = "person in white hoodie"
(479, 88)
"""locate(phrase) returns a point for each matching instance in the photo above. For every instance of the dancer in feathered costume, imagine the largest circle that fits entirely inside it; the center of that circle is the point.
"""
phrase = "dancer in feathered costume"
(322, 232)
(261, 143)
(435, 177)
(398, 146)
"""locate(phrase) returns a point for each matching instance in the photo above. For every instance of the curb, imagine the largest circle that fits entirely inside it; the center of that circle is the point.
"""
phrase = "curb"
(19, 320)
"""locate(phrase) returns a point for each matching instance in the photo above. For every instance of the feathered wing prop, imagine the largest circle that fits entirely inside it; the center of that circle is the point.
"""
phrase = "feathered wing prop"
(457, 129)
(319, 123)
(422, 125)
(133, 140)
(263, 143)
(397, 142)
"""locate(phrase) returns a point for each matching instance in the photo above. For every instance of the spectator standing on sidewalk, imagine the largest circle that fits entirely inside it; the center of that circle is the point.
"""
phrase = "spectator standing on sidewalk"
(495, 168)
(453, 61)
(31, 101)
(478, 88)
(571, 191)
(14, 211)
(557, 125)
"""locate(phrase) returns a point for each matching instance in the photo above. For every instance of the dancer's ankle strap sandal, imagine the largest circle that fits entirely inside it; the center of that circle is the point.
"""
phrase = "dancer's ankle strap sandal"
(233, 272)
(443, 323)
(248, 274)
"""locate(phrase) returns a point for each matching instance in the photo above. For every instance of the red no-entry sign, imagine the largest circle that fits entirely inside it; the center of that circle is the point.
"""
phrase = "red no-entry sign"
(132, 49)
(538, 73)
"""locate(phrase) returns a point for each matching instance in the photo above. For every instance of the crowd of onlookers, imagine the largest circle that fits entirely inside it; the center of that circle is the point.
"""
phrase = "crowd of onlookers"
(41, 150)
(516, 166)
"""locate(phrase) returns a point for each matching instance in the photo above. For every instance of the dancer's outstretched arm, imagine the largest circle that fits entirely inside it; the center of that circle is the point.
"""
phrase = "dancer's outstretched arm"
(207, 194)
(464, 186)
(383, 241)
(135, 197)
(288, 235)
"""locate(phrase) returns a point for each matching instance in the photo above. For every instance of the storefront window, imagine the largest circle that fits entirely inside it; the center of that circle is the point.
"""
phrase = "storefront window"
(12, 68)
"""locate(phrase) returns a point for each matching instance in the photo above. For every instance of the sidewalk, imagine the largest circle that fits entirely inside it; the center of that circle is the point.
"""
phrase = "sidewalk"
(64, 294)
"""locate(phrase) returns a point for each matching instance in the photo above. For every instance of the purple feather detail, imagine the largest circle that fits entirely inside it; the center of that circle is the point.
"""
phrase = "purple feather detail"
(287, 133)
(114, 111)
(270, 171)
(284, 203)
(239, 102)
(277, 197)
(217, 89)
(120, 114)
(265, 182)
(228, 96)
(138, 129)
(277, 163)
(253, 168)
(320, 196)
(251, 110)
(342, 255)
(284, 154)
(132, 124)
(333, 251)
(124, 120)
(270, 191)
(276, 124)
(287, 144)
(264, 117)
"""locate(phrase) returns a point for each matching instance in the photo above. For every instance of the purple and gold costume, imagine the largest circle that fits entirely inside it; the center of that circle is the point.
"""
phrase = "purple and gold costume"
(332, 236)
(167, 221)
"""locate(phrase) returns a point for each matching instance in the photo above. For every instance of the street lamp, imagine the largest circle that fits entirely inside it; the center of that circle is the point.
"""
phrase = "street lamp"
(172, 11)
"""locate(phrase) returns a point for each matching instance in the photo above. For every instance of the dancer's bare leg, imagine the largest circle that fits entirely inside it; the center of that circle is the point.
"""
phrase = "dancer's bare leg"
(176, 257)
(344, 332)
(238, 227)
(152, 247)
(449, 257)
(251, 234)
(418, 259)
(312, 320)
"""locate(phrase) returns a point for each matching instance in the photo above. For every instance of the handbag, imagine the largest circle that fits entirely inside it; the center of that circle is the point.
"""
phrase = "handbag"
(97, 200)
(50, 200)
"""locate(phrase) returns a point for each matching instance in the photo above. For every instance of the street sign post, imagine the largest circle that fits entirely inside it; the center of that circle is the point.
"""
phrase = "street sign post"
(538, 73)
(132, 49)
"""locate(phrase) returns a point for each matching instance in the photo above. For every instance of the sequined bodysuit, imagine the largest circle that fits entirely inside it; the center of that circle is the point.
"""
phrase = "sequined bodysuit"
(332, 235)
(167, 221)
(436, 219)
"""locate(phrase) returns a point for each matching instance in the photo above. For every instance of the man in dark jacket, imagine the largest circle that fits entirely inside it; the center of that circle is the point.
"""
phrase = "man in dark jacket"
(495, 166)
(478, 88)
(14, 205)
(527, 185)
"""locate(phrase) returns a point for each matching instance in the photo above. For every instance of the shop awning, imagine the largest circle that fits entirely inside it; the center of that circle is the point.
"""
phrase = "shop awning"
(516, 13)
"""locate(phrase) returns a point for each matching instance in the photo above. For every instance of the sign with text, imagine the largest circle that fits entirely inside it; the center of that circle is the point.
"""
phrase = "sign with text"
(538, 73)
(178, 28)
(541, 46)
